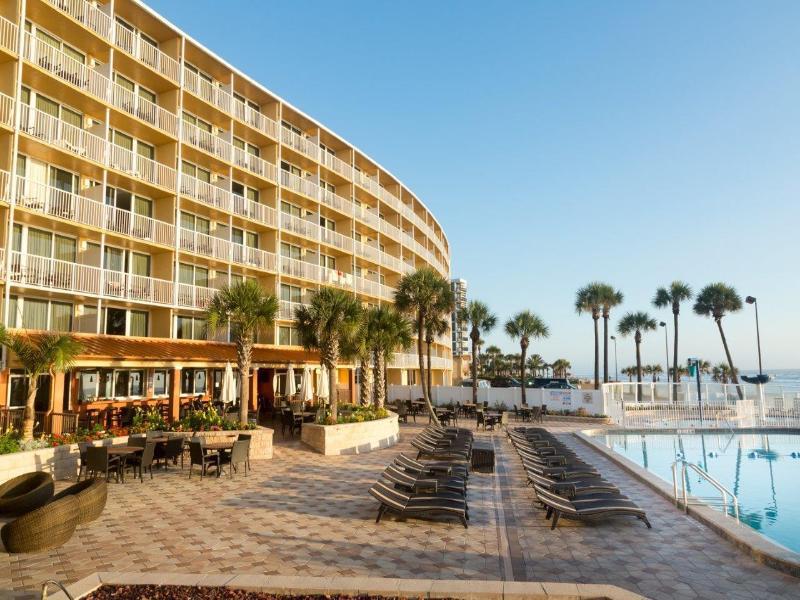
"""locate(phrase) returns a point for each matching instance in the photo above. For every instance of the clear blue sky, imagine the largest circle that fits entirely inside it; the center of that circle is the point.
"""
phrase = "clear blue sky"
(558, 143)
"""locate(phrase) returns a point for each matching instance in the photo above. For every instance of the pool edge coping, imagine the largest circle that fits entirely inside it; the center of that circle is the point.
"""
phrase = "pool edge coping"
(411, 588)
(757, 545)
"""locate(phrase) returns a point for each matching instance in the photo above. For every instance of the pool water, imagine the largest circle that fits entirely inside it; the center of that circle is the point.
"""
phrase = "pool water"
(761, 469)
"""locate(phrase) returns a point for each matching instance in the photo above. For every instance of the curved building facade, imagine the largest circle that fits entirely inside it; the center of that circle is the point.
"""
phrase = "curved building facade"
(140, 173)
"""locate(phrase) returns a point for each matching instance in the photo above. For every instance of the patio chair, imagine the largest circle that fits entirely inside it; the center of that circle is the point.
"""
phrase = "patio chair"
(173, 450)
(435, 469)
(99, 461)
(246, 437)
(572, 487)
(414, 483)
(91, 495)
(410, 505)
(402, 412)
(143, 461)
(138, 441)
(595, 508)
(431, 451)
(198, 457)
(237, 456)
(292, 421)
(81, 458)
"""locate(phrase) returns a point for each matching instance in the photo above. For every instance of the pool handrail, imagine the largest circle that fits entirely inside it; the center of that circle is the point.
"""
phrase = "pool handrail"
(725, 492)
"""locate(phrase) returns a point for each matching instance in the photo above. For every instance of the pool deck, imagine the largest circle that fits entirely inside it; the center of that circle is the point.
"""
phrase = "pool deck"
(303, 514)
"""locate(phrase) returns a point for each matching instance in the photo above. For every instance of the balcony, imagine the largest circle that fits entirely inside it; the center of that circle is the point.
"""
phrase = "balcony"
(139, 107)
(402, 360)
(390, 230)
(6, 110)
(367, 182)
(368, 287)
(390, 199)
(301, 227)
(255, 211)
(253, 257)
(336, 278)
(299, 185)
(205, 192)
(336, 165)
(299, 143)
(145, 52)
(139, 167)
(337, 240)
(62, 135)
(194, 296)
(367, 251)
(255, 119)
(51, 201)
(8, 35)
(299, 268)
(137, 288)
(206, 141)
(205, 245)
(343, 205)
(368, 216)
(88, 15)
(205, 90)
(392, 262)
(254, 164)
(287, 309)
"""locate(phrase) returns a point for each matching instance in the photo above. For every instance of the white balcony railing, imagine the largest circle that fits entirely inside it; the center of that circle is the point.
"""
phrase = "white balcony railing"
(65, 136)
(255, 119)
(367, 251)
(205, 192)
(252, 210)
(253, 257)
(51, 273)
(138, 226)
(137, 288)
(8, 35)
(336, 164)
(367, 182)
(299, 185)
(336, 202)
(390, 199)
(386, 292)
(390, 230)
(194, 296)
(299, 143)
(140, 167)
(254, 164)
(206, 141)
(368, 216)
(6, 110)
(299, 268)
(144, 51)
(210, 92)
(392, 262)
(287, 309)
(135, 105)
(367, 286)
(337, 240)
(88, 14)
(66, 68)
(299, 226)
(336, 277)
(207, 245)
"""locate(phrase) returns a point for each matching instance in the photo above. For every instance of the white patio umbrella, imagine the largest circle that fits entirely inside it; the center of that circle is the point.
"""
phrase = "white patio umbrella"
(291, 388)
(323, 386)
(228, 393)
(306, 386)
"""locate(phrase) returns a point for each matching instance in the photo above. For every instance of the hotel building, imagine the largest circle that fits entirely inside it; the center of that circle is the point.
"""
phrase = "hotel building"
(140, 173)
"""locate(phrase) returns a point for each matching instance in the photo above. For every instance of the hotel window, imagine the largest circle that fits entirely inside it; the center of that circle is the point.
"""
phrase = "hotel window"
(133, 31)
(326, 223)
(203, 141)
(33, 313)
(291, 293)
(130, 143)
(249, 148)
(64, 181)
(327, 186)
(291, 209)
(201, 74)
(197, 172)
(292, 128)
(192, 275)
(327, 150)
(43, 243)
(18, 391)
(291, 251)
(52, 108)
(239, 189)
(135, 89)
(161, 379)
(327, 261)
(54, 42)
(290, 168)
(244, 238)
(127, 201)
(119, 321)
(249, 103)
(194, 223)
(191, 328)
(193, 381)
(128, 383)
(288, 336)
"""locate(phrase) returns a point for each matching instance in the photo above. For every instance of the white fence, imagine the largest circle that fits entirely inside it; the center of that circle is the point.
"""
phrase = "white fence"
(590, 401)
(717, 406)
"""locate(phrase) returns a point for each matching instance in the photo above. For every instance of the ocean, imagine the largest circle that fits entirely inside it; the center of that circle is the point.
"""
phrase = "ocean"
(786, 377)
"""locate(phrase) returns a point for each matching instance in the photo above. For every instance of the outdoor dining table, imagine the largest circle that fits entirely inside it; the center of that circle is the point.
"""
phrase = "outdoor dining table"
(123, 452)
(309, 416)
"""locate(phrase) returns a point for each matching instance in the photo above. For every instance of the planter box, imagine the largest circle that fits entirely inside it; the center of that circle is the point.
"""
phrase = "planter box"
(577, 419)
(62, 461)
(351, 438)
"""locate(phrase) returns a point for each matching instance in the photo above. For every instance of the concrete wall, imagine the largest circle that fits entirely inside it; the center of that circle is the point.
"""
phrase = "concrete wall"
(590, 400)
(351, 438)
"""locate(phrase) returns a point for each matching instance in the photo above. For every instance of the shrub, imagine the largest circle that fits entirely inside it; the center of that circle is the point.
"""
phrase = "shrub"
(9, 442)
(208, 419)
(353, 413)
(148, 420)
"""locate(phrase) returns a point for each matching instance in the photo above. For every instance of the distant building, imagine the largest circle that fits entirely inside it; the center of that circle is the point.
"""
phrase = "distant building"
(460, 330)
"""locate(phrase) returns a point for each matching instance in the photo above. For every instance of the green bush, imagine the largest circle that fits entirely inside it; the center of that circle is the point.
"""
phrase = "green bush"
(148, 420)
(353, 413)
(9, 442)
(209, 419)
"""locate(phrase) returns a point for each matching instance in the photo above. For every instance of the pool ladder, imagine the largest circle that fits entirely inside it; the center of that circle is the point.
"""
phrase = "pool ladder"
(684, 494)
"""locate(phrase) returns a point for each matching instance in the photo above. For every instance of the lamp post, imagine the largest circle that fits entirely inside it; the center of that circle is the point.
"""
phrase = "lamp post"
(666, 345)
(752, 300)
(616, 375)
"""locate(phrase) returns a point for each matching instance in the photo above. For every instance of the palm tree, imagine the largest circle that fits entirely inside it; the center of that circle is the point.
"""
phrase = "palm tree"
(49, 353)
(387, 332)
(589, 299)
(635, 323)
(524, 326)
(561, 367)
(629, 371)
(677, 292)
(418, 294)
(655, 371)
(246, 308)
(438, 321)
(480, 320)
(358, 348)
(609, 298)
(495, 356)
(536, 364)
(717, 300)
(328, 324)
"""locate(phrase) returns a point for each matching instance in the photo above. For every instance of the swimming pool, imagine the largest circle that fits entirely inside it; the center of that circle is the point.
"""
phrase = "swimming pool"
(762, 469)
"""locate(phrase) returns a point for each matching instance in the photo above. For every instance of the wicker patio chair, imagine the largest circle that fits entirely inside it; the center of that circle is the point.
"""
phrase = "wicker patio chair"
(91, 495)
(144, 461)
(26, 492)
(198, 457)
(47, 527)
(99, 461)
(237, 456)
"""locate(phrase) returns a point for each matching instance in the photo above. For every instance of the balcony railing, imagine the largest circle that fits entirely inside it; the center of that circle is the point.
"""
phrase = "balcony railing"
(87, 14)
(207, 245)
(206, 141)
(6, 110)
(205, 192)
(299, 268)
(390, 199)
(210, 92)
(255, 119)
(367, 251)
(138, 226)
(299, 185)
(386, 292)
(144, 51)
(299, 143)
(255, 211)
(8, 35)
(337, 240)
(392, 262)
(343, 205)
(336, 277)
(287, 309)
(336, 164)
(370, 217)
(299, 226)
(389, 229)
(253, 257)
(367, 286)
(61, 134)
(403, 360)
(51, 273)
(137, 288)
(194, 296)
(367, 182)
(254, 164)
(135, 105)
(140, 167)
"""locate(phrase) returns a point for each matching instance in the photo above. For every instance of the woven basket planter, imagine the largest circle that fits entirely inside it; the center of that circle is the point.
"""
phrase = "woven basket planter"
(91, 495)
(25, 493)
(47, 527)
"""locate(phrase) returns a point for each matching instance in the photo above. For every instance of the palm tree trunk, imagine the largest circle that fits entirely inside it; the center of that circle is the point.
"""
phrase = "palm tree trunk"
(676, 373)
(380, 389)
(605, 348)
(425, 390)
(734, 376)
(244, 355)
(638, 368)
(364, 391)
(428, 344)
(596, 355)
(474, 371)
(29, 416)
(524, 349)
(332, 385)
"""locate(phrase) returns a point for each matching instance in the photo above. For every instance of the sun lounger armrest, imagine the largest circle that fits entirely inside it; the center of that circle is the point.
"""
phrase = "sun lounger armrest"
(447, 470)
(429, 485)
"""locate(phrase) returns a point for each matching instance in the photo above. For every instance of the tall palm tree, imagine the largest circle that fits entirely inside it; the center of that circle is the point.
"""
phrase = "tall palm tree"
(437, 325)
(49, 353)
(609, 298)
(494, 355)
(418, 294)
(629, 371)
(480, 320)
(246, 308)
(358, 349)
(561, 367)
(328, 324)
(589, 299)
(524, 326)
(536, 364)
(717, 300)
(635, 323)
(655, 371)
(387, 332)
(677, 292)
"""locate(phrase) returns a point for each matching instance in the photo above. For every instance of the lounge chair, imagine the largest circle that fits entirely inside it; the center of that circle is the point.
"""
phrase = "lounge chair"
(417, 505)
(453, 469)
(415, 484)
(593, 508)
(426, 449)
(571, 487)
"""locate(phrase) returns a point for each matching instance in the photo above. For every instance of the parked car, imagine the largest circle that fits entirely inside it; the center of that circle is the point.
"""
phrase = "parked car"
(553, 383)
(482, 383)
(505, 382)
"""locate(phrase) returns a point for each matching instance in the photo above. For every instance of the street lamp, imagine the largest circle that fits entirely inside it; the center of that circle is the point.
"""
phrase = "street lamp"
(752, 300)
(616, 375)
(666, 345)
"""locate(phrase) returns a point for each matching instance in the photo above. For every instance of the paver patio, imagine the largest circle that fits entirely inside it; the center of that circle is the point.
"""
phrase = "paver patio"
(304, 514)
